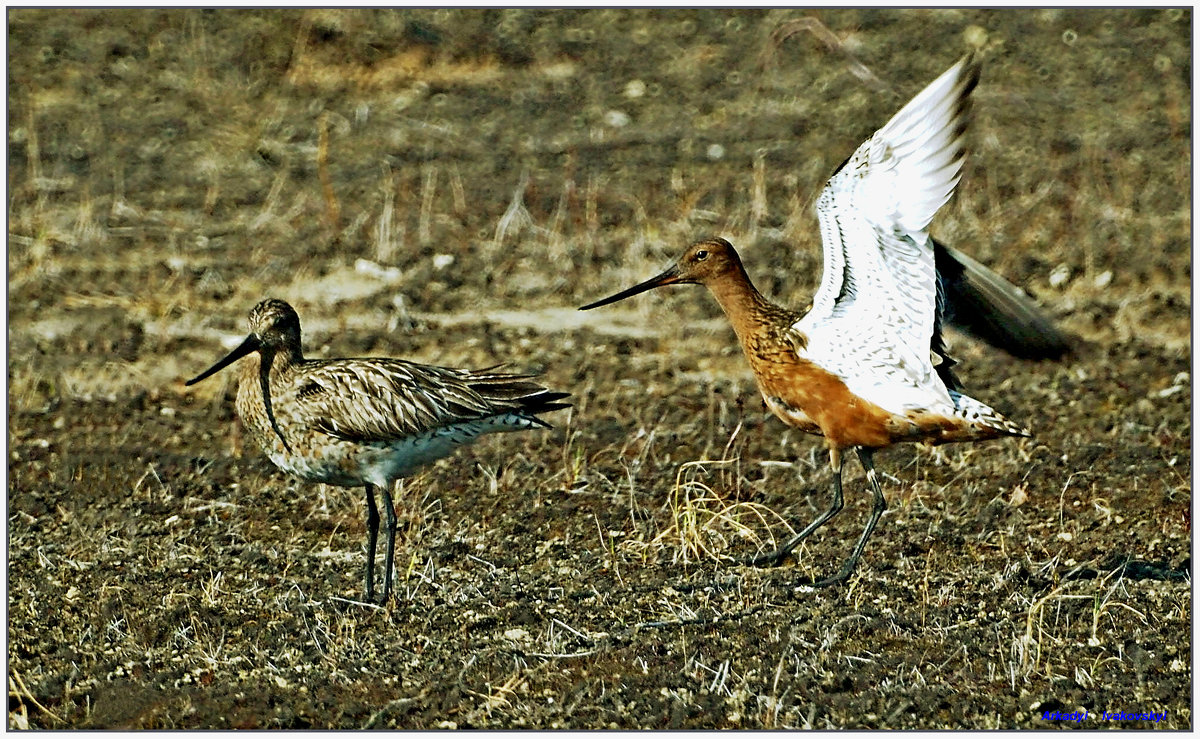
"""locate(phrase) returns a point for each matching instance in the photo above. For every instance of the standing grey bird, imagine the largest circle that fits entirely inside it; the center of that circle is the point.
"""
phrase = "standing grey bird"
(368, 421)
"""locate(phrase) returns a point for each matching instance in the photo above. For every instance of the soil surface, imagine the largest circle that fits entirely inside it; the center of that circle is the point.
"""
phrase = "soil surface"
(447, 186)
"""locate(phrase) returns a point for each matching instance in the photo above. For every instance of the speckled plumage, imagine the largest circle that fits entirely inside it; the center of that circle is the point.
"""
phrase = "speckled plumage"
(865, 367)
(370, 421)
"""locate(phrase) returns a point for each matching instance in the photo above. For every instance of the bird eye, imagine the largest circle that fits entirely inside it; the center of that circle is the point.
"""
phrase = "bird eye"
(701, 255)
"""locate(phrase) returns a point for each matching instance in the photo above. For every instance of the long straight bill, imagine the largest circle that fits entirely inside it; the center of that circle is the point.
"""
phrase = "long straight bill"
(251, 344)
(666, 278)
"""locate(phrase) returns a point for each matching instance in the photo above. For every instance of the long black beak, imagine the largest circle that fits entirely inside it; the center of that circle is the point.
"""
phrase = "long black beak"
(251, 344)
(666, 278)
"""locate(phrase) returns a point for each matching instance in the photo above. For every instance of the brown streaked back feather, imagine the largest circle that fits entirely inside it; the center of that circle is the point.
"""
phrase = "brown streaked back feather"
(381, 399)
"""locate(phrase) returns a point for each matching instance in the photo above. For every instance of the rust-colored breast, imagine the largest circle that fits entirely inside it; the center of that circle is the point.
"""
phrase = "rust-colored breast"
(819, 396)
(814, 400)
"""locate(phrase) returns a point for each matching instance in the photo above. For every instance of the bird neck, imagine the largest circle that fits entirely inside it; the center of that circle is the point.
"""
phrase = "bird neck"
(276, 362)
(747, 309)
(283, 359)
(263, 370)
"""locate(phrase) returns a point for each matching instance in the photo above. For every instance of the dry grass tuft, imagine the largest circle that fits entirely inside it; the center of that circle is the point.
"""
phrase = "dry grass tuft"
(703, 525)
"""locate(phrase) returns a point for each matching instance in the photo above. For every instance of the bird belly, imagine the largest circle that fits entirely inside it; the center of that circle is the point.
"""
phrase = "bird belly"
(329, 467)
(401, 457)
(354, 463)
(816, 401)
(406, 456)
(351, 464)
(791, 415)
(823, 405)
(318, 457)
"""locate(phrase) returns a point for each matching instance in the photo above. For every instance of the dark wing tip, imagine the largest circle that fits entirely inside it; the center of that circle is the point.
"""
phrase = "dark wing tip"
(985, 305)
(543, 403)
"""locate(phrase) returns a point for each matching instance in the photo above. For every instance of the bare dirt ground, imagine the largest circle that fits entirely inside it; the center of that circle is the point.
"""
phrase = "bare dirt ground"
(447, 187)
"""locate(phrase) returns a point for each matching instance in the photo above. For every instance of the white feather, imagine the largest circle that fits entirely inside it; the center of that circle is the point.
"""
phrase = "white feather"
(873, 315)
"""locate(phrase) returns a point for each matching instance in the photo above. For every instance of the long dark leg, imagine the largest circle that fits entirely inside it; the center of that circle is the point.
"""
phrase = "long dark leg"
(390, 511)
(776, 557)
(372, 536)
(877, 510)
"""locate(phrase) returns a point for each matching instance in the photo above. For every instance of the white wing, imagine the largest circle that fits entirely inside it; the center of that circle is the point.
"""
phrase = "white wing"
(873, 315)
